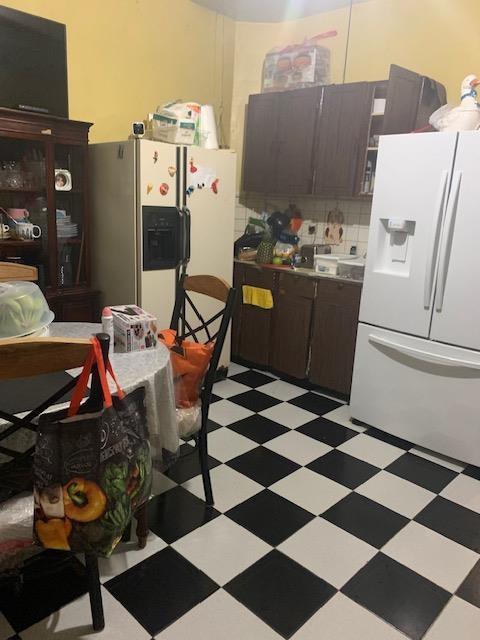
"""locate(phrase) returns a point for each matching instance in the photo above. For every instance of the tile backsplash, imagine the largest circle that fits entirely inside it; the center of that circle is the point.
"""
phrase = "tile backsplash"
(314, 212)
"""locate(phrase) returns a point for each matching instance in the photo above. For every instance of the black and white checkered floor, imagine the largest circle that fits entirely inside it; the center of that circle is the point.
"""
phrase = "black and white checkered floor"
(321, 531)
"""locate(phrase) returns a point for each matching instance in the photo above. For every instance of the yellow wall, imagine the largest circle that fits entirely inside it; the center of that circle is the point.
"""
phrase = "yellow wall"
(438, 38)
(127, 56)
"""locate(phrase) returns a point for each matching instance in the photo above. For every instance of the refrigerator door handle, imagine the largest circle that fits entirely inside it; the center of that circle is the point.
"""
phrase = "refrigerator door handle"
(186, 234)
(425, 356)
(430, 270)
(447, 239)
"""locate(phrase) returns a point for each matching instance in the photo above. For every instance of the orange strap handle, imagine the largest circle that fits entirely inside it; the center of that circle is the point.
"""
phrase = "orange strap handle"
(95, 356)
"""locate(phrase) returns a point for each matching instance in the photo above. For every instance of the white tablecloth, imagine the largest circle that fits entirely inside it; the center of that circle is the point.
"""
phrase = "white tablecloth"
(150, 368)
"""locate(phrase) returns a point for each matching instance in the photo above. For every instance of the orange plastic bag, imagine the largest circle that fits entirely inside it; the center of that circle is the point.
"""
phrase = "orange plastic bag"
(190, 362)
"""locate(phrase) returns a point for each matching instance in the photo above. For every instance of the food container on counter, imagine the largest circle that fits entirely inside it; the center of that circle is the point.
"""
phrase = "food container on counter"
(328, 263)
(23, 310)
(352, 269)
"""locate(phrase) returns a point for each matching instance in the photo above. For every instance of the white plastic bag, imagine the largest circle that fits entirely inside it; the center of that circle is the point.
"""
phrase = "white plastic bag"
(189, 419)
(16, 522)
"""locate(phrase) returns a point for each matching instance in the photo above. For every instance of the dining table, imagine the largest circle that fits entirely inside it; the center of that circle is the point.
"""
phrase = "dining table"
(150, 368)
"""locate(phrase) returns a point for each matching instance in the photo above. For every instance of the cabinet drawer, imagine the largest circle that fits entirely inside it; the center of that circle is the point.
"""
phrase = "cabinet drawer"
(258, 277)
(300, 286)
(340, 292)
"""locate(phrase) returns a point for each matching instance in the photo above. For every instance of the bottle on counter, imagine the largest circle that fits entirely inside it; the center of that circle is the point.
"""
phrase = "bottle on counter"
(368, 177)
(107, 326)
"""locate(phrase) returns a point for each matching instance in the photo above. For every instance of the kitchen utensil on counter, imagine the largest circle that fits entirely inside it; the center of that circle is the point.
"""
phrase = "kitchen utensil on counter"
(308, 251)
(278, 221)
(23, 309)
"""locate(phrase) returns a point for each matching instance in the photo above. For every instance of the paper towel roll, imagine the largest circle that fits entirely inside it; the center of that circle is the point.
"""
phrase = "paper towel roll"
(208, 127)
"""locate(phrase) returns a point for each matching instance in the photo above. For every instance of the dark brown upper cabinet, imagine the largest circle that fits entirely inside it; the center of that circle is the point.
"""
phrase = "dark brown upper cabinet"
(411, 99)
(340, 131)
(297, 115)
(260, 132)
(318, 141)
(279, 141)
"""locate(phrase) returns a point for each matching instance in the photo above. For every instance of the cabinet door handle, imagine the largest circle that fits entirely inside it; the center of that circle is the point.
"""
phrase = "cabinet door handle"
(46, 132)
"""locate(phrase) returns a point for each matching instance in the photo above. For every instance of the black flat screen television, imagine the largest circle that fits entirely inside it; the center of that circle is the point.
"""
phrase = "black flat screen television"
(33, 63)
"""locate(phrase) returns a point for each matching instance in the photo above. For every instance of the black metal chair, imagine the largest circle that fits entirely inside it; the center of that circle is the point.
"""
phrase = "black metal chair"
(31, 357)
(185, 314)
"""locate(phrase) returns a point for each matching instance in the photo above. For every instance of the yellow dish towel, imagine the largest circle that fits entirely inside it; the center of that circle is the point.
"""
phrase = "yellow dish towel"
(258, 297)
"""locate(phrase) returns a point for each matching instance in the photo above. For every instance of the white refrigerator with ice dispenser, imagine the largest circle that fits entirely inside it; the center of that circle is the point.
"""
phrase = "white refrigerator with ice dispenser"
(133, 179)
(417, 360)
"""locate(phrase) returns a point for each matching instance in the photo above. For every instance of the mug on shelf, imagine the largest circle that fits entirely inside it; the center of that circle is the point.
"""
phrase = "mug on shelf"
(4, 231)
(27, 230)
(18, 214)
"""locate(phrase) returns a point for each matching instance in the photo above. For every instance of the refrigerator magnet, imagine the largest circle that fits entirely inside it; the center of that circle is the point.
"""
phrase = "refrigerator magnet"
(193, 168)
(214, 186)
(149, 188)
(172, 171)
(190, 190)
(163, 188)
(155, 157)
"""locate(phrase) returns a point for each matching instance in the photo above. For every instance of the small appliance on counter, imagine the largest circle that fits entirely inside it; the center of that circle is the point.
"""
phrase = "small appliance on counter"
(329, 264)
(308, 251)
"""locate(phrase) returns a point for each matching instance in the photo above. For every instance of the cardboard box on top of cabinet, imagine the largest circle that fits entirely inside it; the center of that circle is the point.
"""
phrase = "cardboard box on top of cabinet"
(134, 329)
(175, 122)
(298, 65)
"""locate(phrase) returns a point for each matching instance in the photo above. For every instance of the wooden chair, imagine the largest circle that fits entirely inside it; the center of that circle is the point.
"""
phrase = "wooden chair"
(12, 271)
(184, 310)
(26, 357)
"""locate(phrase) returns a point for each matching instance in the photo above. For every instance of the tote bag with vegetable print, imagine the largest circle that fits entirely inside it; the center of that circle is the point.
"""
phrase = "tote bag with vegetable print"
(91, 470)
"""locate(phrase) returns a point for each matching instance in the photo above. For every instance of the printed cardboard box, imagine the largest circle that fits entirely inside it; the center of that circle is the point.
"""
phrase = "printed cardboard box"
(134, 329)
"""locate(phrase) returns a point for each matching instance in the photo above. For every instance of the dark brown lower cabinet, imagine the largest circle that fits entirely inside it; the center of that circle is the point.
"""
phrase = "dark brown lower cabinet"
(309, 333)
(251, 330)
(334, 331)
(292, 317)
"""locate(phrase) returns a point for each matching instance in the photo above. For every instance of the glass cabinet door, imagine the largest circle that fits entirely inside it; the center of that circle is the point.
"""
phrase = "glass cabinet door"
(23, 205)
(69, 215)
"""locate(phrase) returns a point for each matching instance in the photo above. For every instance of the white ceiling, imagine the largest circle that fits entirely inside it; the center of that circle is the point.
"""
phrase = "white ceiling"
(271, 10)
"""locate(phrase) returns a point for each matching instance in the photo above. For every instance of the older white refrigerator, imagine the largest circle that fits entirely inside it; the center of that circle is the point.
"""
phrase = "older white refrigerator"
(417, 360)
(135, 178)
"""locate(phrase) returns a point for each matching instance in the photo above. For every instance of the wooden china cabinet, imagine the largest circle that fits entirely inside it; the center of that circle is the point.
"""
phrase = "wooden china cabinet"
(32, 147)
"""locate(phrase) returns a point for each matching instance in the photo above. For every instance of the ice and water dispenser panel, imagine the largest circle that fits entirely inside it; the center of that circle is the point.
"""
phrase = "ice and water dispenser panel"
(162, 229)
(396, 238)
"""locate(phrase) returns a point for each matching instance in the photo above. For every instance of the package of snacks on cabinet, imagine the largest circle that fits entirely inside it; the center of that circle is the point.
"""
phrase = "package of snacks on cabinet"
(297, 65)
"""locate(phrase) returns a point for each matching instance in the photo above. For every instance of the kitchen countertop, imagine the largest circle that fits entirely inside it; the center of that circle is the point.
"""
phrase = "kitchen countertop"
(307, 273)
